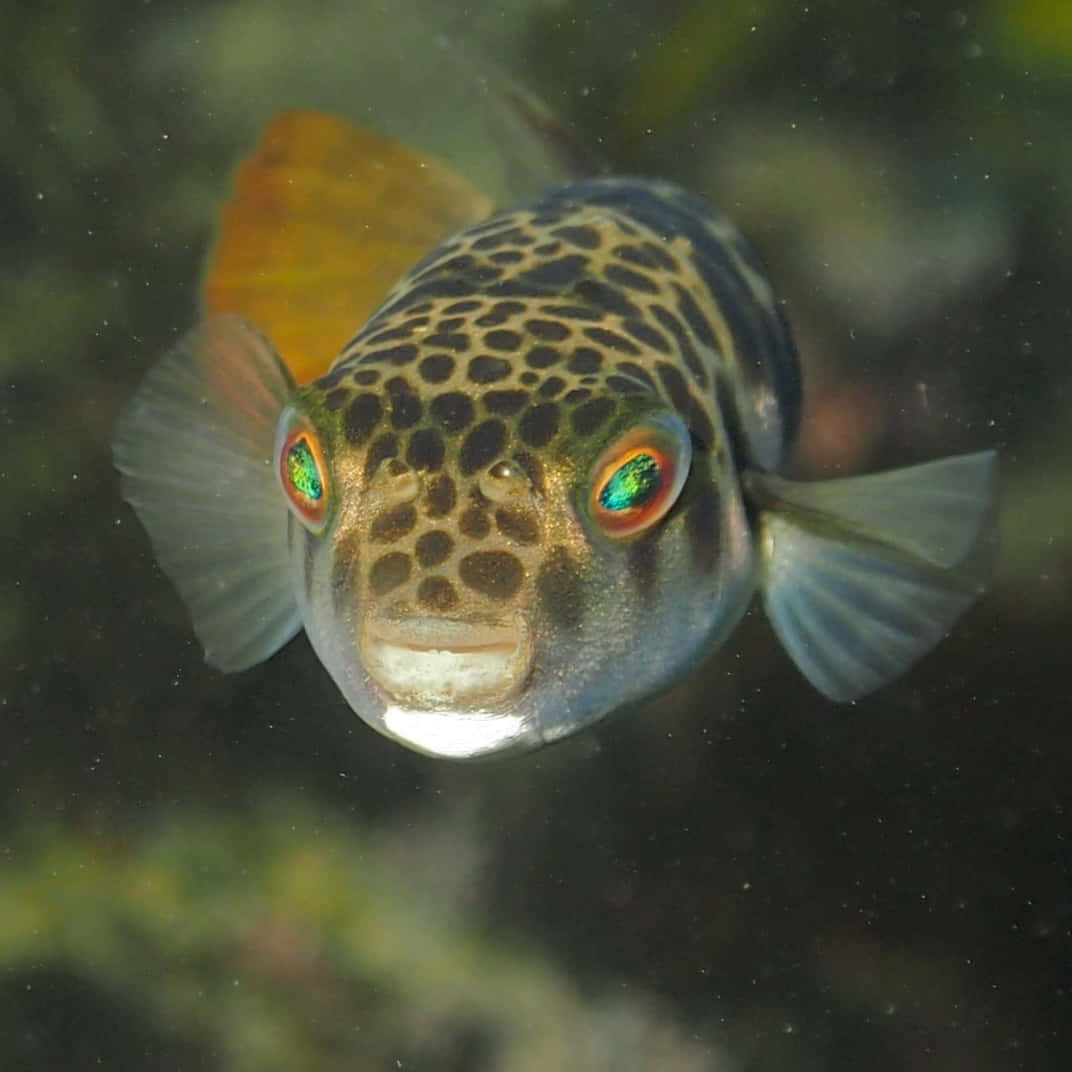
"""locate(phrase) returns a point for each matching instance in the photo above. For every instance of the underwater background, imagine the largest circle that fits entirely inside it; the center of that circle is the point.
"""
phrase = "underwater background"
(201, 871)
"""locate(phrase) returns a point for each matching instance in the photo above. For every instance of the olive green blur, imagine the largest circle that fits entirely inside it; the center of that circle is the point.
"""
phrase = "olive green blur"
(201, 871)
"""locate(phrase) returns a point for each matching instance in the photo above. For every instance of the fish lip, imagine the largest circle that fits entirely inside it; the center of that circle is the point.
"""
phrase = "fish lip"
(434, 663)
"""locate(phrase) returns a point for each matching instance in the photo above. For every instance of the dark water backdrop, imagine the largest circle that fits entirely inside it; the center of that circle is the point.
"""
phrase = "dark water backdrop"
(208, 872)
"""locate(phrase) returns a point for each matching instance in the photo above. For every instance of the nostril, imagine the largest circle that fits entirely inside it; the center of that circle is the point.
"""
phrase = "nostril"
(395, 482)
(505, 482)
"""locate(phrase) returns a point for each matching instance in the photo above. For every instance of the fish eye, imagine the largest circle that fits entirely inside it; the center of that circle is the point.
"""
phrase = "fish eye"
(302, 471)
(639, 477)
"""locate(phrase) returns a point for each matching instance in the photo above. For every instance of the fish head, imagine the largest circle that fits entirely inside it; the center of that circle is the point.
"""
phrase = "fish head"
(494, 568)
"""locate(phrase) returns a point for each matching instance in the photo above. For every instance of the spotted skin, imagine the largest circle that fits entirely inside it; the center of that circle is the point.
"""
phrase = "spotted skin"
(540, 483)
(533, 338)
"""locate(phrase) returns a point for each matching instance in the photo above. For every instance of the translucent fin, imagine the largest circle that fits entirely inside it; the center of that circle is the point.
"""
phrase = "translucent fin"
(195, 449)
(324, 220)
(865, 575)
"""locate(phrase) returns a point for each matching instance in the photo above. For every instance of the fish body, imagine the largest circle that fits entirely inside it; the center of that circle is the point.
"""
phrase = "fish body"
(538, 484)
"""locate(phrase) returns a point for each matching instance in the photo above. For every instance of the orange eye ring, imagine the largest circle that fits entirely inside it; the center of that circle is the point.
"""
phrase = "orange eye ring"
(639, 478)
(303, 472)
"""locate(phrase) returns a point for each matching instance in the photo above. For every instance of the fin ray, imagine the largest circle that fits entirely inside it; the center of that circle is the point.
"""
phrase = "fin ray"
(933, 510)
(863, 576)
(194, 447)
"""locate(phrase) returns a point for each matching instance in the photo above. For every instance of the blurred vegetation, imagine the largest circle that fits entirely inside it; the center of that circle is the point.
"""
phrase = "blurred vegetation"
(209, 872)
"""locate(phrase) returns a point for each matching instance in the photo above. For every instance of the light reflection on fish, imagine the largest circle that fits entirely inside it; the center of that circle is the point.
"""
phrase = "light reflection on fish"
(538, 483)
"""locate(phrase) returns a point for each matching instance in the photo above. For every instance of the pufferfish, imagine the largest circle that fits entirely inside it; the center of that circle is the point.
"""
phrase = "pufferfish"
(540, 481)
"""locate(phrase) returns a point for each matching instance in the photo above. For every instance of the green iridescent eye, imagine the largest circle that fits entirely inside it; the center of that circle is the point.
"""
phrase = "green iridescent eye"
(302, 471)
(632, 485)
(639, 477)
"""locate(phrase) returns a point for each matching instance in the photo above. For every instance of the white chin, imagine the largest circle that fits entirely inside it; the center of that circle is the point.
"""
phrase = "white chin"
(462, 734)
(441, 665)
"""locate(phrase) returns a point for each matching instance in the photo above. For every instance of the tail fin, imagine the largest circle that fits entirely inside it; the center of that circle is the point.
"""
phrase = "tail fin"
(863, 576)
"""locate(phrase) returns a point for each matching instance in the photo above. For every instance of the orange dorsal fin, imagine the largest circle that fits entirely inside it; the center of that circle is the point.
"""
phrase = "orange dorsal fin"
(324, 220)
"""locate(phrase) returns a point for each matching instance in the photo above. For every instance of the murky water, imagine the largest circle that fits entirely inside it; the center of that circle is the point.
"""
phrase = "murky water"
(200, 871)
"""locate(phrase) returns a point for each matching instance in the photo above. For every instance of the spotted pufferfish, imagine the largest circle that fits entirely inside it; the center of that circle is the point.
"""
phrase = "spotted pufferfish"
(540, 482)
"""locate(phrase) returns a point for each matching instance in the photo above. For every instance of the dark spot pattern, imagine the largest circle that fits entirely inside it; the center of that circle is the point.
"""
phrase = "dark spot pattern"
(538, 424)
(393, 355)
(366, 377)
(636, 255)
(686, 349)
(495, 574)
(425, 450)
(560, 589)
(499, 313)
(336, 398)
(663, 258)
(393, 524)
(674, 385)
(628, 368)
(361, 418)
(624, 385)
(572, 312)
(534, 469)
(433, 547)
(395, 334)
(585, 361)
(517, 524)
(404, 402)
(552, 386)
(333, 377)
(474, 523)
(547, 330)
(482, 445)
(541, 357)
(469, 305)
(502, 339)
(647, 336)
(456, 341)
(698, 323)
(558, 274)
(504, 402)
(388, 572)
(436, 368)
(436, 594)
(605, 297)
(381, 448)
(632, 280)
(512, 236)
(612, 341)
(586, 418)
(345, 563)
(487, 369)
(453, 410)
(439, 496)
(582, 236)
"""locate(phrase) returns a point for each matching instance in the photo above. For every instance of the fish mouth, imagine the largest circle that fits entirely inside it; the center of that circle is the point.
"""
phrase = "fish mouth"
(434, 663)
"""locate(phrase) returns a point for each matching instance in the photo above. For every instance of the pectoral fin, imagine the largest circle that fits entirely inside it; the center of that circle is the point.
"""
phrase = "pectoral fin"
(195, 448)
(862, 576)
